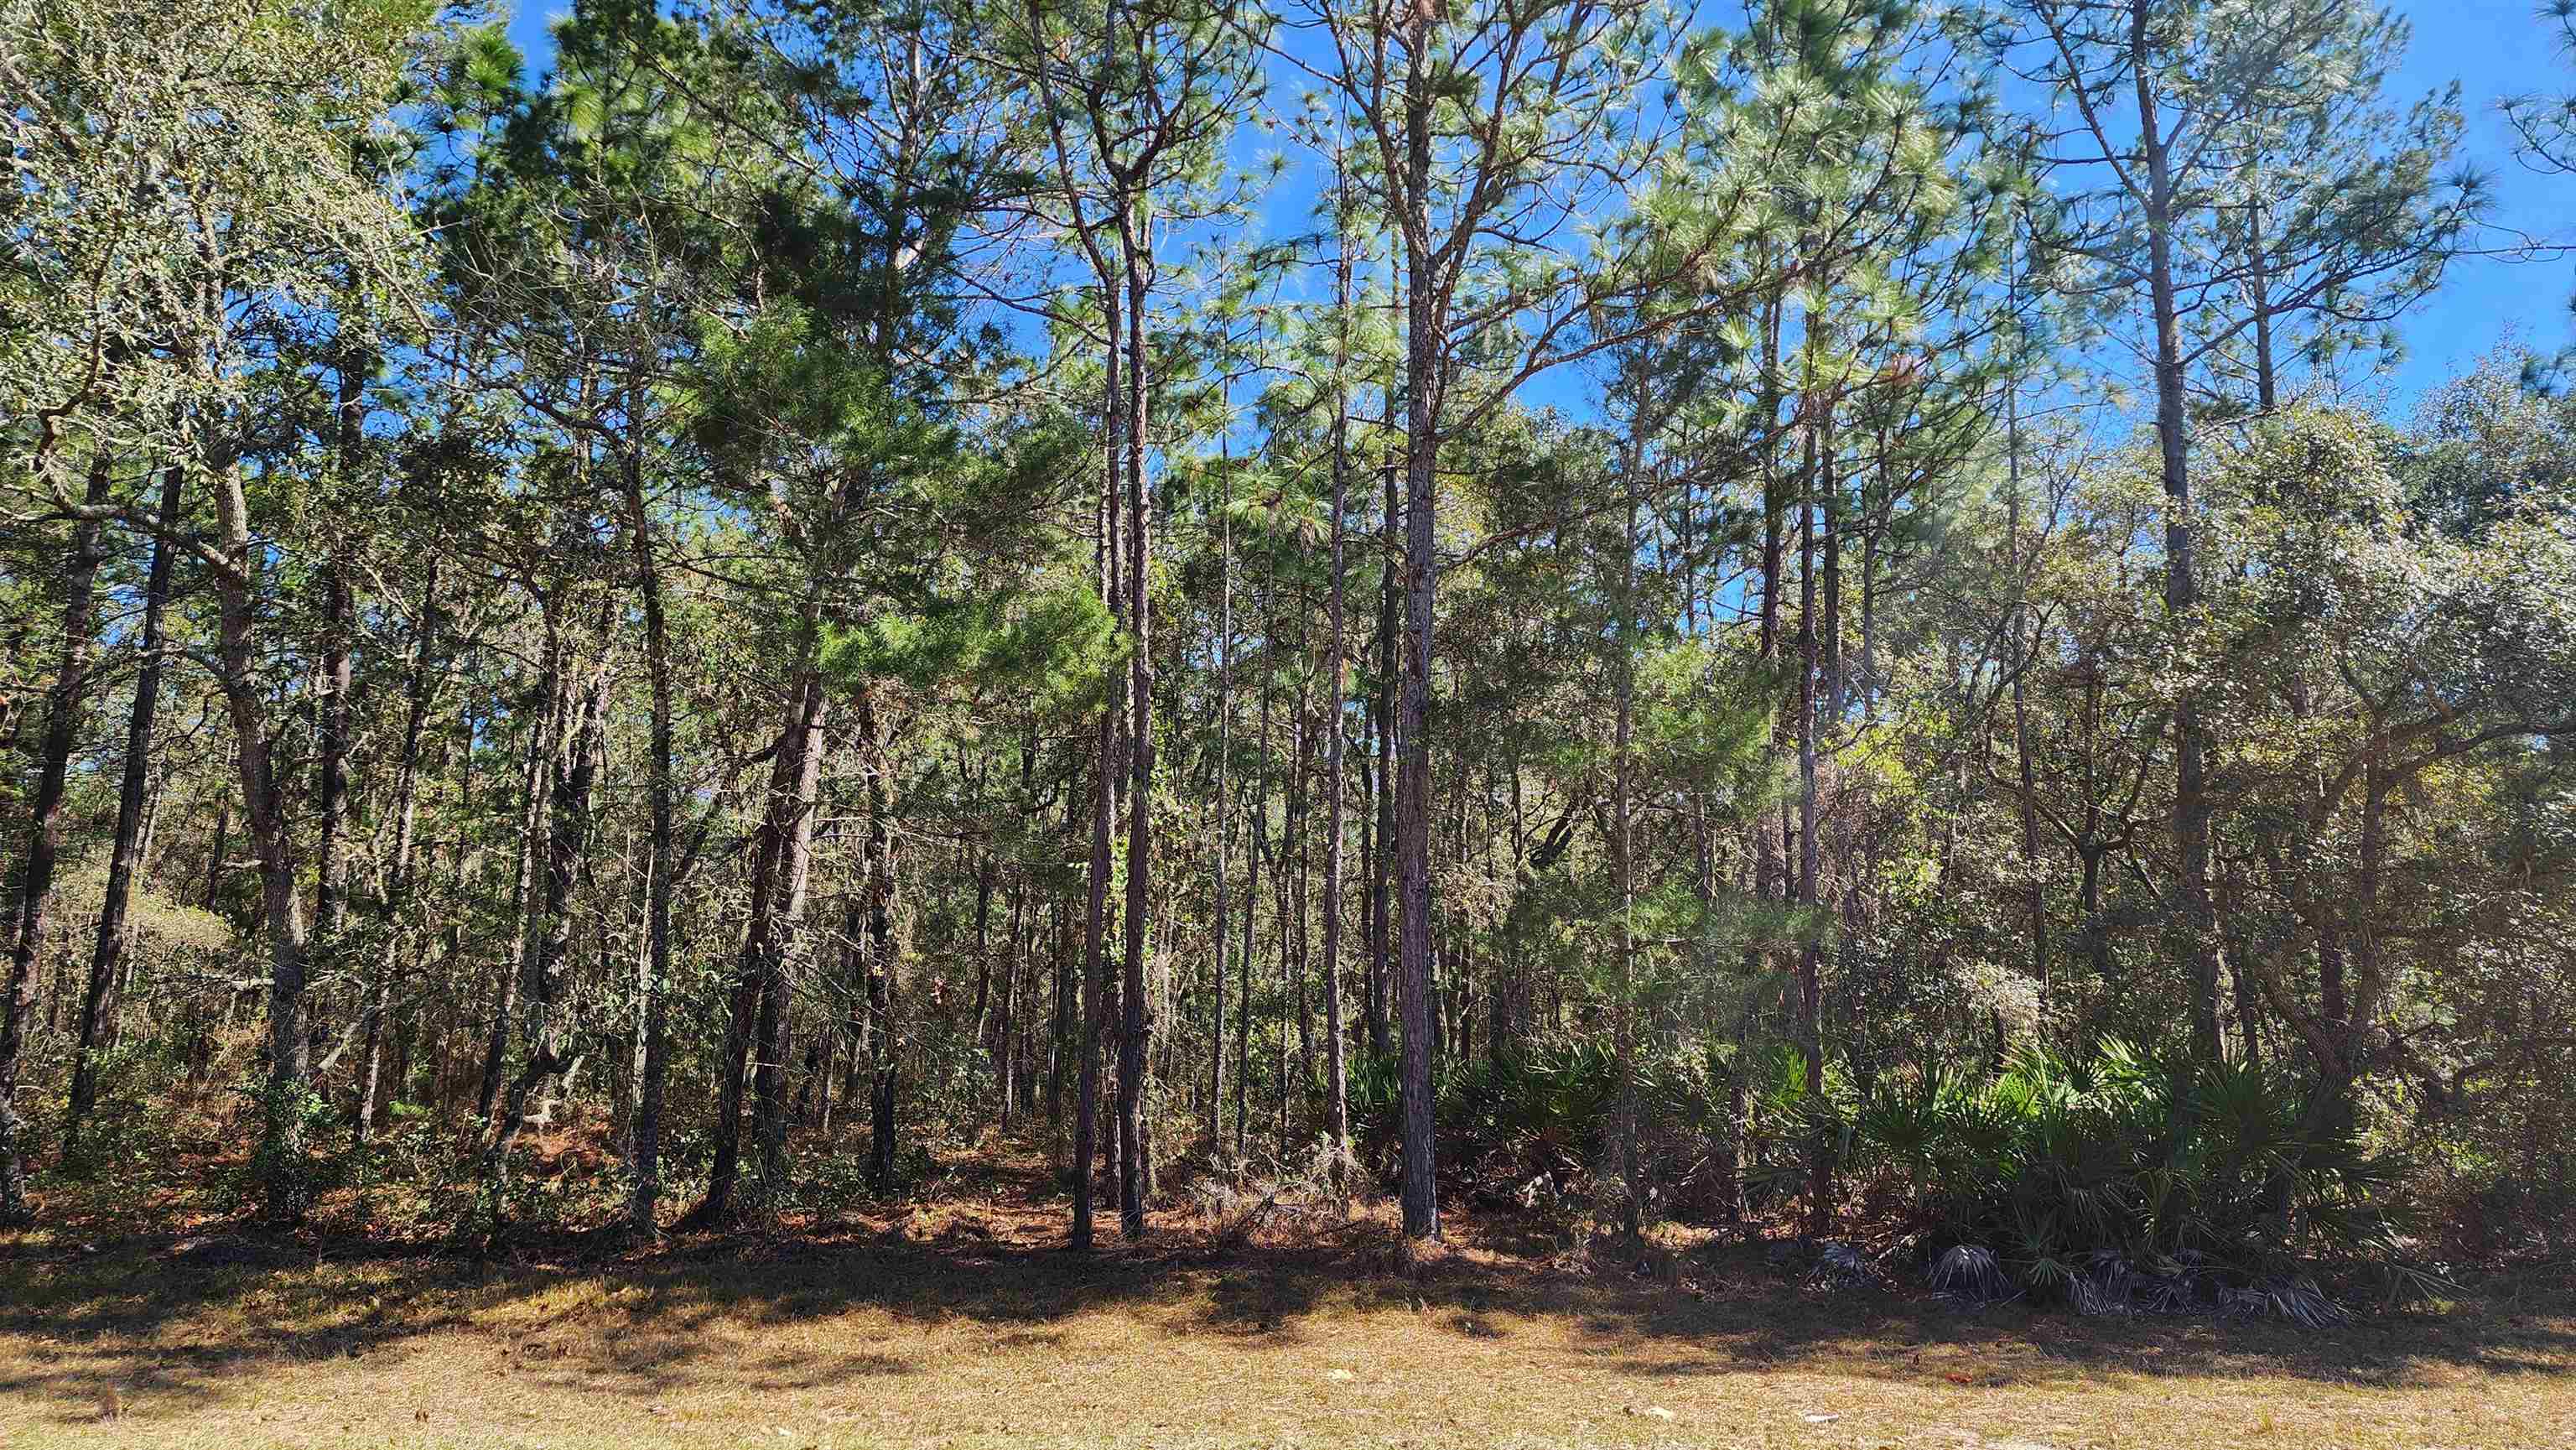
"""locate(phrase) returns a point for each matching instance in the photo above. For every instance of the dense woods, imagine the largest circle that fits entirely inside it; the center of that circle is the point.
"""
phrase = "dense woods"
(1799, 615)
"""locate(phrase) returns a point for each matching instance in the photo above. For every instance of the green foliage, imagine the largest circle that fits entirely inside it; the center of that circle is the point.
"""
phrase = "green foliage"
(2064, 1159)
(1535, 1126)
(1053, 649)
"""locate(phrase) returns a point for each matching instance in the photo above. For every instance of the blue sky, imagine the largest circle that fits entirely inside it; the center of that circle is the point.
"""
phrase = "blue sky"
(2494, 49)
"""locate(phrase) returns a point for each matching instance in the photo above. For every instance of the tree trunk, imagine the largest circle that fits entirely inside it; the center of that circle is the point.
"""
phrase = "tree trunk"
(1256, 824)
(65, 703)
(1337, 1109)
(2173, 442)
(1224, 801)
(1423, 387)
(877, 924)
(645, 1152)
(1136, 1031)
(1104, 811)
(536, 783)
(801, 759)
(418, 689)
(1810, 954)
(125, 858)
(547, 1028)
(331, 795)
(1623, 869)
(281, 1168)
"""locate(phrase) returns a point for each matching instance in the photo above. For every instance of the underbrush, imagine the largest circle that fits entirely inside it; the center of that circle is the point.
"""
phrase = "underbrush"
(2110, 1181)
(1297, 1200)
(2113, 1182)
(1534, 1131)
(2107, 1181)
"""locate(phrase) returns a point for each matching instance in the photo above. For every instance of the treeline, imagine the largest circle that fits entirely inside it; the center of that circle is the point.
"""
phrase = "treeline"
(1705, 614)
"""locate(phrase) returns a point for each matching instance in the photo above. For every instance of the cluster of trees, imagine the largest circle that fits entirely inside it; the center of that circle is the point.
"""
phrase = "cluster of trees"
(1175, 574)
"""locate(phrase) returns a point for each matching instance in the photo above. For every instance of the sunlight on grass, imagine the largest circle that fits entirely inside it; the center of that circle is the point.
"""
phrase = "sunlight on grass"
(893, 1335)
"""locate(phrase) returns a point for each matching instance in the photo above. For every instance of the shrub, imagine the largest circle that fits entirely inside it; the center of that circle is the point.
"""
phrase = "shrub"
(1536, 1127)
(2114, 1181)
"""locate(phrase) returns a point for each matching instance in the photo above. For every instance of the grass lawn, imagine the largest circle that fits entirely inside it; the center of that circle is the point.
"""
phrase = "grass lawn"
(963, 1325)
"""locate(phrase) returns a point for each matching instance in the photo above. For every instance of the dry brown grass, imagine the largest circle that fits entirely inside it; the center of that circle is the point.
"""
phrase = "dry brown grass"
(962, 1325)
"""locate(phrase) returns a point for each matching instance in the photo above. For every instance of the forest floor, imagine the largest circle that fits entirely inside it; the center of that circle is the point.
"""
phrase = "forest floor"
(964, 1323)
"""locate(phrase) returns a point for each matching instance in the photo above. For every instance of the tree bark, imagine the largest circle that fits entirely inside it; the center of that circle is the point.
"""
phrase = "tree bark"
(547, 1028)
(1623, 868)
(2173, 443)
(1337, 1110)
(536, 783)
(331, 795)
(418, 689)
(281, 1168)
(1810, 859)
(1224, 801)
(1104, 810)
(1136, 1031)
(65, 704)
(877, 924)
(645, 1152)
(125, 857)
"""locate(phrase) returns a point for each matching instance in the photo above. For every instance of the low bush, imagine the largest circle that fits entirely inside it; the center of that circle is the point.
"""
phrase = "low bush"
(1536, 1128)
(2114, 1181)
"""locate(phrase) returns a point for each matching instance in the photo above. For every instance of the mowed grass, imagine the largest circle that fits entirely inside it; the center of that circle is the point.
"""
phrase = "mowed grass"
(966, 1326)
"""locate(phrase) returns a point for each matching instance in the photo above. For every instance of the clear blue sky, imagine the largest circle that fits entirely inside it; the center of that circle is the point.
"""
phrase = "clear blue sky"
(2493, 48)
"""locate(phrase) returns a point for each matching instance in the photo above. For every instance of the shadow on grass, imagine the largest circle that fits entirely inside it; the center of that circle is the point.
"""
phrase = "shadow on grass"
(178, 1324)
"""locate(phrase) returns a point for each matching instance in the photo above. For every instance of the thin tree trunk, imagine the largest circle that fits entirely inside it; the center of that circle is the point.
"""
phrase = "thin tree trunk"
(1337, 1111)
(536, 784)
(1135, 1035)
(1810, 1027)
(1381, 877)
(1104, 811)
(801, 752)
(398, 876)
(281, 1155)
(1256, 827)
(330, 896)
(2035, 891)
(877, 904)
(1224, 800)
(645, 1154)
(1623, 868)
(2173, 442)
(547, 1024)
(125, 858)
(1423, 387)
(65, 704)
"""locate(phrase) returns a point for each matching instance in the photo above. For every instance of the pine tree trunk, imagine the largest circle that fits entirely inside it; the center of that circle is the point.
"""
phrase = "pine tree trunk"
(1337, 1112)
(2173, 443)
(1104, 810)
(547, 1029)
(417, 691)
(125, 857)
(1224, 803)
(1810, 1025)
(536, 784)
(65, 703)
(1136, 1031)
(1624, 870)
(645, 1151)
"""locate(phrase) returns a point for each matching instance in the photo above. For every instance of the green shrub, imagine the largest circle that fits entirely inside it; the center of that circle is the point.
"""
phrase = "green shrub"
(2117, 1180)
(1538, 1125)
